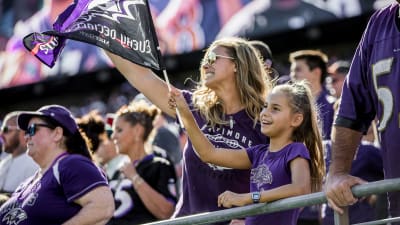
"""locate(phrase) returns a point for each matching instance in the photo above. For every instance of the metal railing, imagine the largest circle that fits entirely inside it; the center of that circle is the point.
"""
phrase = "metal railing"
(378, 187)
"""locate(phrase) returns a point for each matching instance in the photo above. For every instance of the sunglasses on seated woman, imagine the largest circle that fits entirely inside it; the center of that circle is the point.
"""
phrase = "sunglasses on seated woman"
(31, 130)
(211, 57)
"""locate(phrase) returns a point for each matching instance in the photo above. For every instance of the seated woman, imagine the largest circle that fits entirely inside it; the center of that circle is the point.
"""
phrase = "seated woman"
(68, 188)
(144, 189)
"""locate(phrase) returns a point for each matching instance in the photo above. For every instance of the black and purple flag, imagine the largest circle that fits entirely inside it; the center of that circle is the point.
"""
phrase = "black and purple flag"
(123, 27)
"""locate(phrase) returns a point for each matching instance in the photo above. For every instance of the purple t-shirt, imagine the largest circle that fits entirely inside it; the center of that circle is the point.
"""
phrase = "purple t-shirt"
(372, 89)
(203, 182)
(49, 200)
(271, 170)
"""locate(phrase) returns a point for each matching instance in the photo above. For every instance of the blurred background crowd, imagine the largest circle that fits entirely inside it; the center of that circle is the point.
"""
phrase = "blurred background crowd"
(84, 79)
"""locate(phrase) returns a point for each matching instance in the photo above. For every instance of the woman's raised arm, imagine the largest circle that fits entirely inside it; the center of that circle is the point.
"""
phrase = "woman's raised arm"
(145, 81)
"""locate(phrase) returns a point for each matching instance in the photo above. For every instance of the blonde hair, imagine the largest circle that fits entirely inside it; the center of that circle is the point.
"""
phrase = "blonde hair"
(301, 101)
(251, 79)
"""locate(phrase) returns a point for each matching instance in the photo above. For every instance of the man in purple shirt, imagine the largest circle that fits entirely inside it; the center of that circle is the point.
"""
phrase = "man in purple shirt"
(367, 164)
(370, 90)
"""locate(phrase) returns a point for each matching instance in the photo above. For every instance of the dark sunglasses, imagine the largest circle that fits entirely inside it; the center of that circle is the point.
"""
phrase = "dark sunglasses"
(6, 129)
(31, 129)
(211, 57)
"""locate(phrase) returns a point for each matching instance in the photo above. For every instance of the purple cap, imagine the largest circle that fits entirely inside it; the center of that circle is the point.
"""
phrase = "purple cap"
(57, 113)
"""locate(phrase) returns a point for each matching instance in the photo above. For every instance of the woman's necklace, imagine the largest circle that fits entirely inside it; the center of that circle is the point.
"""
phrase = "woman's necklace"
(231, 122)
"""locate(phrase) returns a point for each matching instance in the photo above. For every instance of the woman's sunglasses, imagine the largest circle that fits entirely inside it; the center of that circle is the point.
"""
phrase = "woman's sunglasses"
(5, 129)
(211, 57)
(31, 130)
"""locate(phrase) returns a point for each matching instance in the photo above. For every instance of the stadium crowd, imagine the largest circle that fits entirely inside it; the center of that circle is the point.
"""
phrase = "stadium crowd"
(251, 134)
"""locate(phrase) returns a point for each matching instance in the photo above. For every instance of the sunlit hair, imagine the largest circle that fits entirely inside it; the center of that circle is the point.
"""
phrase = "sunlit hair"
(140, 112)
(93, 125)
(251, 80)
(314, 59)
(76, 143)
(301, 101)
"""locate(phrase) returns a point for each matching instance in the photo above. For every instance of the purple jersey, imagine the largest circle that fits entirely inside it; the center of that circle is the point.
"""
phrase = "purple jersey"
(49, 200)
(271, 170)
(157, 172)
(325, 105)
(203, 182)
(372, 89)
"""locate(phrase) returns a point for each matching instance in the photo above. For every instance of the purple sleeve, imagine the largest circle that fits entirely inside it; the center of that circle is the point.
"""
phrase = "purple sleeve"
(252, 153)
(78, 176)
(356, 109)
(297, 150)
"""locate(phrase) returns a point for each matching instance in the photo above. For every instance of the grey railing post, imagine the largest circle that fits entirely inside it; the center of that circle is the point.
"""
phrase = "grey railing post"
(342, 219)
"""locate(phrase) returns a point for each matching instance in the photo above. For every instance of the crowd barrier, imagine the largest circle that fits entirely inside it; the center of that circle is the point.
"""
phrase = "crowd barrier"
(378, 187)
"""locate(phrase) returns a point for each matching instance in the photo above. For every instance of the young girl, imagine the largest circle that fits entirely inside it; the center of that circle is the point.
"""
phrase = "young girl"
(292, 164)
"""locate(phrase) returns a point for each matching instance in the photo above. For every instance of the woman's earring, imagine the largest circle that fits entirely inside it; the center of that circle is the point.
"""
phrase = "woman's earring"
(235, 70)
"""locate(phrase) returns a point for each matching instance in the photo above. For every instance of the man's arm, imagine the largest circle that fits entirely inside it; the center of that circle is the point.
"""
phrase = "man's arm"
(338, 186)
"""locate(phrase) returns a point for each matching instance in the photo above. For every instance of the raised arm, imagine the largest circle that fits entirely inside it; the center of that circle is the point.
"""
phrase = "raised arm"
(145, 81)
(237, 159)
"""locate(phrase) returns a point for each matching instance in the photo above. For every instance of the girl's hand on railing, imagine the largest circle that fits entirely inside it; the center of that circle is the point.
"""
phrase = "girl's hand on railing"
(229, 199)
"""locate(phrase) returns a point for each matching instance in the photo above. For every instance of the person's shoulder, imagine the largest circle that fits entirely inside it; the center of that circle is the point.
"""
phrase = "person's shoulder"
(296, 148)
(383, 14)
(390, 8)
(5, 159)
(162, 159)
(23, 156)
(26, 161)
(296, 145)
(72, 159)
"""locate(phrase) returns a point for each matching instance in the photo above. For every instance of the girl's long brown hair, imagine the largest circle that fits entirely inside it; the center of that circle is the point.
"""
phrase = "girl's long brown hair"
(301, 101)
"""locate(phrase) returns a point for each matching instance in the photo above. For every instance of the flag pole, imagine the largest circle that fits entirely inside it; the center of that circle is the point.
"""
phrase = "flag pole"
(169, 89)
(161, 61)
